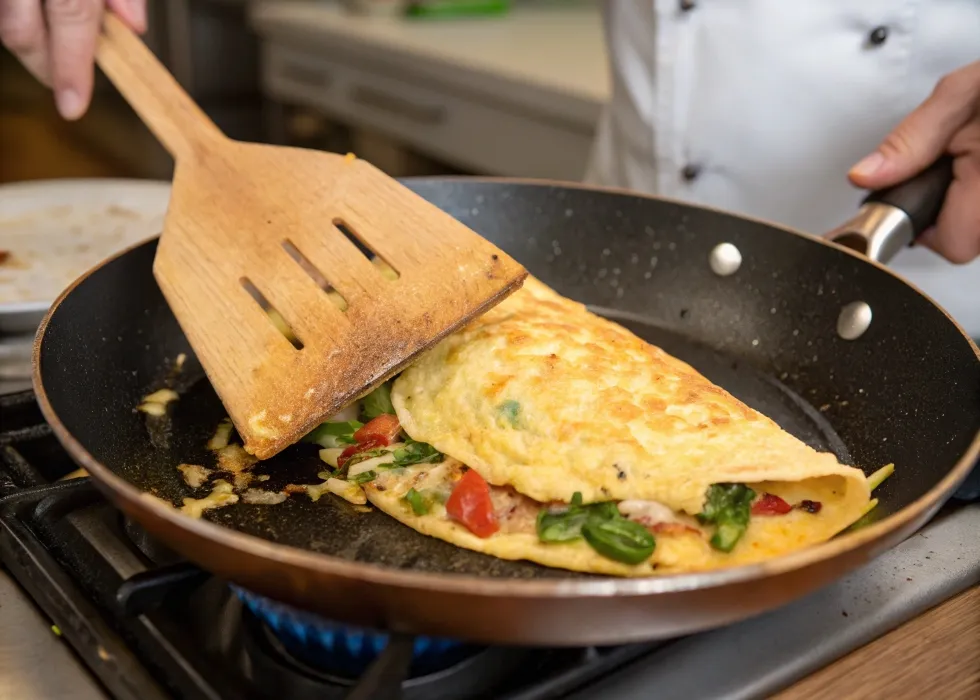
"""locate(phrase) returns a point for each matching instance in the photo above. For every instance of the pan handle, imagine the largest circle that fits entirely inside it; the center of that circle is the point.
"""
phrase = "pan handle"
(893, 218)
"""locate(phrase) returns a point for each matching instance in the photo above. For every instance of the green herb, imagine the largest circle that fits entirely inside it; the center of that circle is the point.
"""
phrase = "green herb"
(418, 502)
(619, 539)
(364, 477)
(416, 453)
(334, 434)
(378, 402)
(727, 506)
(510, 411)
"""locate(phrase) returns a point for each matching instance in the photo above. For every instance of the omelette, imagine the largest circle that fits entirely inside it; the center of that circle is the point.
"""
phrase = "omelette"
(544, 432)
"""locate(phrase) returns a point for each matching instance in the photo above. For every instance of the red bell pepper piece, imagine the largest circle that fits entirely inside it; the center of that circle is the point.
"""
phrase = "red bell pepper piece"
(470, 504)
(771, 505)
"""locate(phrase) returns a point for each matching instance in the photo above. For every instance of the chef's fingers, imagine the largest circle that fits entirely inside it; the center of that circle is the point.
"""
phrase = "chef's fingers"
(956, 235)
(132, 12)
(73, 26)
(925, 134)
(22, 31)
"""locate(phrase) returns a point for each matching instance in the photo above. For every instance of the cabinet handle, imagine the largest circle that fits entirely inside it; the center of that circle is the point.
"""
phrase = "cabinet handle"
(420, 114)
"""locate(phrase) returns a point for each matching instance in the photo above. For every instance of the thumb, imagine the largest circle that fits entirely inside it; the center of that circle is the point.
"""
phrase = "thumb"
(923, 135)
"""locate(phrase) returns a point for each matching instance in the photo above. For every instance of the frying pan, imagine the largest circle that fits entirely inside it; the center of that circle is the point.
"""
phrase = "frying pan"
(785, 329)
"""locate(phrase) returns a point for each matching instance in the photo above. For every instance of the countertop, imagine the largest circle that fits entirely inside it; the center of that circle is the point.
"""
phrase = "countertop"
(547, 58)
(940, 649)
(34, 662)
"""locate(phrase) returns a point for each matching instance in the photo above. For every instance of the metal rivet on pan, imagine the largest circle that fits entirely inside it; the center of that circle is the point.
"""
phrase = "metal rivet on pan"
(725, 259)
(854, 320)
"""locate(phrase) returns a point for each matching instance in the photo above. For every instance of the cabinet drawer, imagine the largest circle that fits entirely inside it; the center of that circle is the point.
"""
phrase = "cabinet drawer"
(481, 133)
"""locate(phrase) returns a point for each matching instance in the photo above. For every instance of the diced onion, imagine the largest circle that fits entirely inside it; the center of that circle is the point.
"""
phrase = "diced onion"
(352, 493)
(163, 396)
(220, 496)
(153, 409)
(648, 512)
(349, 492)
(330, 455)
(221, 435)
(155, 404)
(373, 463)
(194, 474)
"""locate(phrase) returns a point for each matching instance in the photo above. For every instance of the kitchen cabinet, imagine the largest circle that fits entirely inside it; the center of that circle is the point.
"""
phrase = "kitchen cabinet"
(500, 96)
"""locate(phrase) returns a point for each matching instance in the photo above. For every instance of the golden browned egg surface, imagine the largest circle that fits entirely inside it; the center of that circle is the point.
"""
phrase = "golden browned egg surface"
(542, 396)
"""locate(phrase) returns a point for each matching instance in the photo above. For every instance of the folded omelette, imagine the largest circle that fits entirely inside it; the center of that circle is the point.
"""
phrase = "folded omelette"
(544, 432)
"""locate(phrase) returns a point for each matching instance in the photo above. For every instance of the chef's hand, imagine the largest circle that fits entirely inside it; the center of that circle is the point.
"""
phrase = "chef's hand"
(947, 122)
(55, 40)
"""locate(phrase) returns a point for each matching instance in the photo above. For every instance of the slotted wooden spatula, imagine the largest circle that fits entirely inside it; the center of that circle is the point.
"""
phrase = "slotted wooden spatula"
(290, 319)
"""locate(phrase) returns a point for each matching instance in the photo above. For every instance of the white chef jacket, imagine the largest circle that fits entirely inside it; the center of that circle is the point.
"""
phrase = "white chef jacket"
(761, 106)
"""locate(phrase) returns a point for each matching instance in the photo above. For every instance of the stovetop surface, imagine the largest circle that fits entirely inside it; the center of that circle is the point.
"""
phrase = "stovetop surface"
(146, 625)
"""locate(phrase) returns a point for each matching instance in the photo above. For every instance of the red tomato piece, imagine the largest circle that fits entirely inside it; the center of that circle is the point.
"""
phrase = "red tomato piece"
(470, 504)
(771, 505)
(385, 427)
(371, 442)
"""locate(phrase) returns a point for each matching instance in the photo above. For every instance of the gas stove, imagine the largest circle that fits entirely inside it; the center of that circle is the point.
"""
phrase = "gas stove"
(95, 609)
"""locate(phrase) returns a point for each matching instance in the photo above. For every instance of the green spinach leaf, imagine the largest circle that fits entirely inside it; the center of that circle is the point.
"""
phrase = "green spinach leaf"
(377, 402)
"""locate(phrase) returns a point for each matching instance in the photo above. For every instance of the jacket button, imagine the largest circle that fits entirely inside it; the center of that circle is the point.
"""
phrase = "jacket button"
(686, 5)
(690, 172)
(878, 36)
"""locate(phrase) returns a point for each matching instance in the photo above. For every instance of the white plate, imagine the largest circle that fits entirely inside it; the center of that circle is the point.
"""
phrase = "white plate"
(55, 230)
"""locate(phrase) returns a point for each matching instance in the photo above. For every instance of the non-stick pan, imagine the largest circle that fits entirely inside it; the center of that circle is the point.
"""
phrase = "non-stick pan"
(837, 349)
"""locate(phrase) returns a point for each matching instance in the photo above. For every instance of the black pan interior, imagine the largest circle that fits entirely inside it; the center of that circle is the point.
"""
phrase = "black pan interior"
(906, 392)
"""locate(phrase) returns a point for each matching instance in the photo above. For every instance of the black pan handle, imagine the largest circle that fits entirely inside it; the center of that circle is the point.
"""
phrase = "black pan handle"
(891, 219)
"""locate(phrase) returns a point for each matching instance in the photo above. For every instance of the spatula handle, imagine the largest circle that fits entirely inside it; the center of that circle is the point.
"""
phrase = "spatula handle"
(173, 117)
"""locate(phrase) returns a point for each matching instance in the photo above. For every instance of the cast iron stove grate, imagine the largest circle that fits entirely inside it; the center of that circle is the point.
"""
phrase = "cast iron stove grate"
(151, 627)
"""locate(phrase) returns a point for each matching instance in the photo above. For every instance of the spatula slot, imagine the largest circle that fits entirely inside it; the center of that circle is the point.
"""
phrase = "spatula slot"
(309, 268)
(387, 270)
(274, 316)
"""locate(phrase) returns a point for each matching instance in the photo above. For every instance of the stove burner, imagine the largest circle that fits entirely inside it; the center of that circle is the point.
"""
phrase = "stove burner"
(485, 672)
(344, 651)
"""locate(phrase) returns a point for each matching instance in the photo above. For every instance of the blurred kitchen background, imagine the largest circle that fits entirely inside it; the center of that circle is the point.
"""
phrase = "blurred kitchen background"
(493, 87)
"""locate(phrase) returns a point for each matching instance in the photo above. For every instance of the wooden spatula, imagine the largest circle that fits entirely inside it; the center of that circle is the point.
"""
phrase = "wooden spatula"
(290, 319)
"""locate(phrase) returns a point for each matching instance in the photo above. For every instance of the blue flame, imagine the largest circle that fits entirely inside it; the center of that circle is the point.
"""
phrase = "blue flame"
(337, 648)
